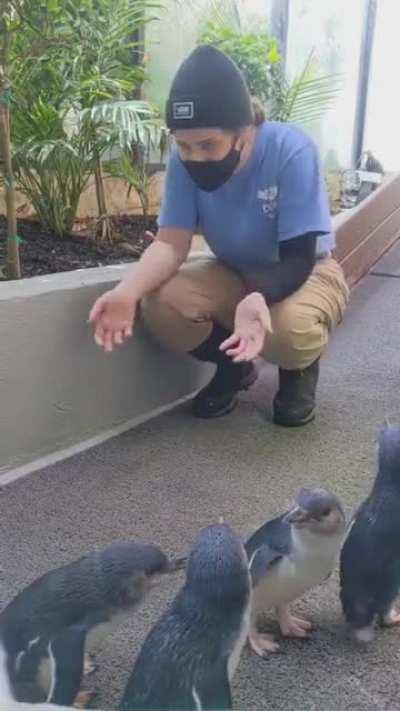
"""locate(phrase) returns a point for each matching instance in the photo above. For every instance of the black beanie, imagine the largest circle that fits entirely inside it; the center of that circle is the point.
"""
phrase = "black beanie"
(208, 91)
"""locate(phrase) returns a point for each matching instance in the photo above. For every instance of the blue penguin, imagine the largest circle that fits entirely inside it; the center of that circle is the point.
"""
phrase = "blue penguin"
(290, 555)
(370, 557)
(190, 656)
(43, 630)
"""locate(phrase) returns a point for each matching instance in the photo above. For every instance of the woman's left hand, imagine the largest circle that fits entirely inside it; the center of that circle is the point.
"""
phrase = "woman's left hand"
(252, 325)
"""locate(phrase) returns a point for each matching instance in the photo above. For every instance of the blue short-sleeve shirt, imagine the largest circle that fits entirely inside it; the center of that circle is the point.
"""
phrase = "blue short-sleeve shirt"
(278, 195)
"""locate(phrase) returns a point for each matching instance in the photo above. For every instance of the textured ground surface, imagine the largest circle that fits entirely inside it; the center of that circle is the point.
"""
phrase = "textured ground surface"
(167, 479)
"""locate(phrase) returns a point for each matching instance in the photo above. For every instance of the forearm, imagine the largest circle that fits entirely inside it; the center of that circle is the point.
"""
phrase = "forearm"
(280, 280)
(158, 264)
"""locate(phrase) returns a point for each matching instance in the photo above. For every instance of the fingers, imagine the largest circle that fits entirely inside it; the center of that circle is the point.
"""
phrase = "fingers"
(108, 342)
(234, 346)
(96, 309)
(230, 342)
(238, 351)
(107, 339)
(250, 352)
(99, 335)
(118, 338)
(238, 348)
(246, 349)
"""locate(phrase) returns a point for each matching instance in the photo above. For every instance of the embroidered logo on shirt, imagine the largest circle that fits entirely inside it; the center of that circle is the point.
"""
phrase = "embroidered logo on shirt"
(183, 109)
(269, 198)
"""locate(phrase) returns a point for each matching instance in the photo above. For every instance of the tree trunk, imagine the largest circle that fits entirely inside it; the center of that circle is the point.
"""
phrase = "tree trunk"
(13, 260)
(105, 226)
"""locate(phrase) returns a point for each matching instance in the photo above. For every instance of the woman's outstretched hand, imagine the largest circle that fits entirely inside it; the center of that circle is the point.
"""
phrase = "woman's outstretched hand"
(113, 317)
(252, 326)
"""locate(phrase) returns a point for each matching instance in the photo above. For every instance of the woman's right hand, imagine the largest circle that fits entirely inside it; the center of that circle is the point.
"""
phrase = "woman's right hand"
(113, 315)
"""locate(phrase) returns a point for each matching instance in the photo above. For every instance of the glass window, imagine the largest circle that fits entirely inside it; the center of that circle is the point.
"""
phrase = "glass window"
(383, 110)
(334, 29)
(171, 38)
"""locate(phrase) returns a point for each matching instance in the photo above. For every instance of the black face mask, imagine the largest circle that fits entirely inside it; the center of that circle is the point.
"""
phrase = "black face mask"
(212, 174)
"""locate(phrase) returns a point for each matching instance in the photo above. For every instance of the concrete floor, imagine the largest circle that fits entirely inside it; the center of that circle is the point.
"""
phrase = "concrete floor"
(165, 480)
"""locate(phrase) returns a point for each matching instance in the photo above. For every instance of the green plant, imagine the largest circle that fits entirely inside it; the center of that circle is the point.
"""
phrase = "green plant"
(137, 141)
(135, 128)
(302, 100)
(127, 122)
(134, 173)
(306, 98)
(51, 167)
(104, 71)
(255, 54)
(74, 68)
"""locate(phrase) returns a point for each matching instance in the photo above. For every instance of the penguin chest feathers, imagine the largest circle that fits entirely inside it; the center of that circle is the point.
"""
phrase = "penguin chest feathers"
(311, 560)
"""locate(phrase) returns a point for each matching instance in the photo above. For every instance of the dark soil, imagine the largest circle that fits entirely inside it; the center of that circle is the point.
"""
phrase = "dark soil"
(43, 252)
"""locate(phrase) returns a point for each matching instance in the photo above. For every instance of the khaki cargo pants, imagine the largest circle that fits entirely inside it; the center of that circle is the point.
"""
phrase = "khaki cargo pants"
(180, 314)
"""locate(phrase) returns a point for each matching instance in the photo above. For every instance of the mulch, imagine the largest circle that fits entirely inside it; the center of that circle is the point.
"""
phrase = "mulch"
(44, 252)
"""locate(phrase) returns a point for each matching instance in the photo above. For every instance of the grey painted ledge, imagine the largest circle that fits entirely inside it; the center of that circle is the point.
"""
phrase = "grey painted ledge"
(58, 391)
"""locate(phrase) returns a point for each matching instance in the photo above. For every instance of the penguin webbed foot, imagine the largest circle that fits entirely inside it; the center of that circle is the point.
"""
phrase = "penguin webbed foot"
(89, 665)
(263, 644)
(391, 618)
(364, 635)
(292, 626)
(83, 699)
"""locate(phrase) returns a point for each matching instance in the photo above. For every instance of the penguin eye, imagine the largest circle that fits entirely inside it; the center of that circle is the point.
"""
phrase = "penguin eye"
(325, 512)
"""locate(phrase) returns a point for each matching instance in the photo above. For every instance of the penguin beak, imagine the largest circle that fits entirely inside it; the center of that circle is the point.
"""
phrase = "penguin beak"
(297, 515)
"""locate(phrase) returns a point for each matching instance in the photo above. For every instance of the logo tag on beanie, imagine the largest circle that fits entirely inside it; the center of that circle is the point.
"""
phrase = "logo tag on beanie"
(183, 110)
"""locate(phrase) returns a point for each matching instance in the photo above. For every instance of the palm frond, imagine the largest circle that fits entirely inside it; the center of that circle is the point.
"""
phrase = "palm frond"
(306, 98)
(126, 122)
(224, 13)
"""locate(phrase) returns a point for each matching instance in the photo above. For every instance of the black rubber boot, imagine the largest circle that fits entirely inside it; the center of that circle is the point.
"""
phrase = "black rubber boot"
(294, 403)
(219, 397)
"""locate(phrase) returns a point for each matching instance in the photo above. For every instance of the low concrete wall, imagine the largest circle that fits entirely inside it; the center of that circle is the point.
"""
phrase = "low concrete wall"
(59, 391)
(57, 388)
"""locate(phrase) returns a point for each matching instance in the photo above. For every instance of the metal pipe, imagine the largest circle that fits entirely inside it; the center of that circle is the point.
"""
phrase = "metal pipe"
(367, 41)
(279, 25)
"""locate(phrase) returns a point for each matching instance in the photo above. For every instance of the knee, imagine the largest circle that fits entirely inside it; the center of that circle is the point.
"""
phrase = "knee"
(292, 326)
(179, 296)
(298, 338)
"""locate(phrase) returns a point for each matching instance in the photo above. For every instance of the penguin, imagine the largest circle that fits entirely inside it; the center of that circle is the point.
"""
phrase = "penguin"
(290, 555)
(370, 557)
(190, 656)
(44, 629)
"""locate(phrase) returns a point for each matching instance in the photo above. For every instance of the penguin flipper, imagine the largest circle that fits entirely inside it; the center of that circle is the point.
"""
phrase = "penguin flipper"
(261, 561)
(275, 533)
(213, 691)
(66, 653)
